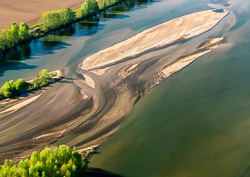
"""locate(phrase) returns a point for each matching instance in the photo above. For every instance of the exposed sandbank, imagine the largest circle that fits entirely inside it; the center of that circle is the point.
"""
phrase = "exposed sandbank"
(166, 33)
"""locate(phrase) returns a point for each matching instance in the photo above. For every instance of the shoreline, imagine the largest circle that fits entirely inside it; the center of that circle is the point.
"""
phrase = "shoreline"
(37, 33)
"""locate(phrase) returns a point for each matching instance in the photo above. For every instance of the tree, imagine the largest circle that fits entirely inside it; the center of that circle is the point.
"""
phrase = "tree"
(67, 15)
(8, 89)
(20, 85)
(89, 7)
(24, 31)
(12, 35)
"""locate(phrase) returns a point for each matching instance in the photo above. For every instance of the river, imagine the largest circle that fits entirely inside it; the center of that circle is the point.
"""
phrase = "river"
(193, 124)
(196, 123)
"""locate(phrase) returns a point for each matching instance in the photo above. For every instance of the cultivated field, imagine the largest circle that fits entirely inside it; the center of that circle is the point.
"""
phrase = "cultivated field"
(30, 10)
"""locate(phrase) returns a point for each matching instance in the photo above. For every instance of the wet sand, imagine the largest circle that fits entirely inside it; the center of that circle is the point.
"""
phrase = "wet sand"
(86, 111)
(30, 11)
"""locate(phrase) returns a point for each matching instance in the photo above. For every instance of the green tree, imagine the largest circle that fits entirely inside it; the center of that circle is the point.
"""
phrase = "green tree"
(24, 31)
(89, 7)
(12, 35)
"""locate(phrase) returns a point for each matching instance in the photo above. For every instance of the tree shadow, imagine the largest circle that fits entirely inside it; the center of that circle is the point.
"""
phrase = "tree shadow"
(97, 172)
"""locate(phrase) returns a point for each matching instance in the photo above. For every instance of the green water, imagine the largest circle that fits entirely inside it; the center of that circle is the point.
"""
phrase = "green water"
(196, 123)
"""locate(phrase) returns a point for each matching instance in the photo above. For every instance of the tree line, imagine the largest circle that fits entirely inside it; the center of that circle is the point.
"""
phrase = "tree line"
(50, 21)
(59, 161)
(11, 88)
(12, 36)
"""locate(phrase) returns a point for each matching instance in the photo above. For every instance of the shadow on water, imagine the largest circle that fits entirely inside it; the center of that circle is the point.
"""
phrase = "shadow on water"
(96, 172)
(14, 65)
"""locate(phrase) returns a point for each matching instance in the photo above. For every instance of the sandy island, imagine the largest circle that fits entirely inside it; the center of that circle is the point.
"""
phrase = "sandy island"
(30, 11)
(161, 35)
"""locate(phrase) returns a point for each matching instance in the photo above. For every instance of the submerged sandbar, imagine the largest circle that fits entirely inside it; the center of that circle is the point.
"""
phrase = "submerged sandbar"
(161, 35)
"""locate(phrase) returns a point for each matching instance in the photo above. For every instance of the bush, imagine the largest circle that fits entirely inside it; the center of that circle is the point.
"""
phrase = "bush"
(12, 36)
(89, 7)
(11, 88)
(55, 19)
(54, 161)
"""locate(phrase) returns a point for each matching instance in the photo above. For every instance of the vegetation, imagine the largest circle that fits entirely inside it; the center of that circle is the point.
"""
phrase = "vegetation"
(89, 7)
(11, 88)
(11, 37)
(55, 19)
(15, 35)
(50, 162)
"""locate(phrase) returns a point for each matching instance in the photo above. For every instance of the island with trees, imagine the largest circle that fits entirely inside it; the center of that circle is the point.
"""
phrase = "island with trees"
(11, 89)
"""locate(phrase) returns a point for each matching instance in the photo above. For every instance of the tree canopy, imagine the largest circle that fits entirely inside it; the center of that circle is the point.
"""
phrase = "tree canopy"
(59, 161)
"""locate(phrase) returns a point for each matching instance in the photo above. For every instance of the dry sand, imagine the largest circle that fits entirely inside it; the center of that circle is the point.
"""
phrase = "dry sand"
(166, 33)
(30, 11)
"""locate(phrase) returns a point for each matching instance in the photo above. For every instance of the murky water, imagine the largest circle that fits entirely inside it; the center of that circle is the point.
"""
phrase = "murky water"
(194, 124)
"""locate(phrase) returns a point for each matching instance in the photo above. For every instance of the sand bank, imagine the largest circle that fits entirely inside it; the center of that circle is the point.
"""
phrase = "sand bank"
(181, 63)
(161, 35)
(22, 104)
(30, 10)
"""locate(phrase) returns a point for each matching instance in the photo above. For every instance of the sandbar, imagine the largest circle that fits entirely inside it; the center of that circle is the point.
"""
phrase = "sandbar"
(158, 36)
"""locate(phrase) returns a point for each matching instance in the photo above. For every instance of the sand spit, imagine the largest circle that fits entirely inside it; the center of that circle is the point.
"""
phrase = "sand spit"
(161, 35)
(181, 63)
(89, 81)
(177, 66)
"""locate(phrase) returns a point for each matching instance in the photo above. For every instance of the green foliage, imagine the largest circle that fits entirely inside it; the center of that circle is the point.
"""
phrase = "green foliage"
(24, 31)
(12, 36)
(49, 21)
(107, 3)
(55, 19)
(51, 162)
(43, 79)
(89, 7)
(11, 88)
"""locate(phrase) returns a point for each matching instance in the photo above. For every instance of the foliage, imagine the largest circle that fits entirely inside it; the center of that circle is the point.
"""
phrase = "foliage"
(49, 21)
(89, 7)
(12, 36)
(107, 3)
(43, 79)
(55, 19)
(50, 162)
(11, 88)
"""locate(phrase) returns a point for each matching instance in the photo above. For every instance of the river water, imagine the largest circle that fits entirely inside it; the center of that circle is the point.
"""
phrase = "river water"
(193, 124)
(196, 123)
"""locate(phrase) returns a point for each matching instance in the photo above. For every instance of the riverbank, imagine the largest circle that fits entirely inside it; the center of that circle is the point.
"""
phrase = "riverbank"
(47, 24)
